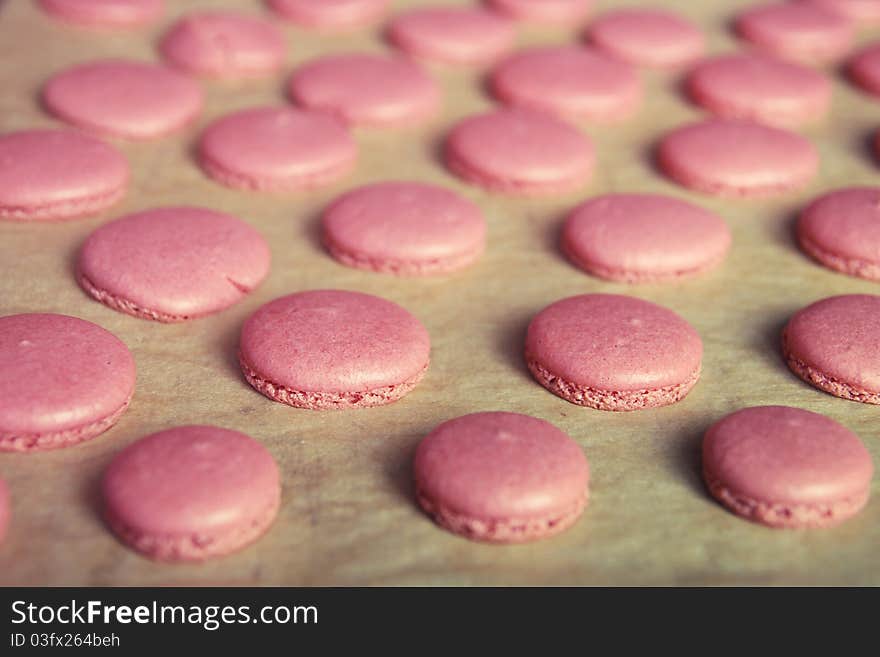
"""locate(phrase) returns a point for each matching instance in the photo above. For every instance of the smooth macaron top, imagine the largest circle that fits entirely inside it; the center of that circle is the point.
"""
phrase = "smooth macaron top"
(405, 222)
(330, 15)
(334, 341)
(56, 174)
(844, 223)
(644, 237)
(191, 481)
(123, 98)
(501, 466)
(864, 69)
(840, 337)
(779, 455)
(648, 37)
(544, 11)
(5, 511)
(614, 342)
(224, 44)
(177, 261)
(105, 13)
(60, 373)
(569, 81)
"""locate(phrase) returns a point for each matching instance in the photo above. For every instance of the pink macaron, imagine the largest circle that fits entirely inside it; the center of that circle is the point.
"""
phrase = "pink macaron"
(191, 493)
(105, 13)
(549, 12)
(519, 151)
(613, 352)
(501, 477)
(330, 15)
(797, 30)
(644, 238)
(5, 511)
(123, 98)
(58, 174)
(569, 81)
(452, 35)
(333, 349)
(172, 264)
(63, 381)
(276, 149)
(655, 38)
(224, 44)
(760, 87)
(861, 12)
(786, 467)
(404, 228)
(737, 158)
(834, 345)
(864, 69)
(366, 89)
(841, 230)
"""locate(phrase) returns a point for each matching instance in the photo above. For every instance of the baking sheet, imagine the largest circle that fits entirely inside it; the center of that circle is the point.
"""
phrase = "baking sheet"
(348, 515)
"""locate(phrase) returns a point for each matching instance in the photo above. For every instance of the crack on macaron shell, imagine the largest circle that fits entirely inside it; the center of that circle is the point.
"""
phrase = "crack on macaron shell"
(611, 400)
(843, 264)
(400, 267)
(318, 400)
(63, 210)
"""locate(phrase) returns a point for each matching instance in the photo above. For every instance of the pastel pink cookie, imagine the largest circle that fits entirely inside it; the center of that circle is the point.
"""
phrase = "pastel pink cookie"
(501, 477)
(58, 174)
(105, 13)
(569, 81)
(640, 238)
(191, 493)
(797, 30)
(519, 151)
(730, 157)
(330, 15)
(864, 69)
(404, 228)
(224, 44)
(452, 35)
(865, 12)
(119, 98)
(172, 264)
(363, 89)
(613, 352)
(786, 467)
(761, 88)
(544, 11)
(276, 149)
(63, 381)
(834, 345)
(841, 230)
(333, 349)
(648, 37)
(5, 512)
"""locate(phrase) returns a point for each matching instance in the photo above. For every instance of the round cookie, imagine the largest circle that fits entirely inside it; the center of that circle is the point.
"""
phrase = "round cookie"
(786, 467)
(58, 174)
(452, 35)
(519, 151)
(760, 88)
(330, 15)
(172, 264)
(327, 349)
(558, 12)
(224, 44)
(105, 13)
(501, 477)
(191, 493)
(367, 90)
(613, 352)
(834, 345)
(570, 82)
(654, 38)
(864, 69)
(63, 381)
(841, 230)
(644, 238)
(797, 30)
(276, 149)
(862, 12)
(736, 158)
(404, 228)
(122, 98)
(5, 511)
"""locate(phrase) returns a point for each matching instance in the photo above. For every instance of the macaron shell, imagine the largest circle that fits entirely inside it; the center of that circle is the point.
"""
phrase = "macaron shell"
(58, 174)
(330, 15)
(544, 11)
(172, 264)
(192, 492)
(864, 69)
(862, 12)
(105, 13)
(648, 37)
(5, 511)
(62, 380)
(501, 477)
(135, 100)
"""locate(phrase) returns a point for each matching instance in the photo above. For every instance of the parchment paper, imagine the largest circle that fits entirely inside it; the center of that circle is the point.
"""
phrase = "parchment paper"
(348, 514)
